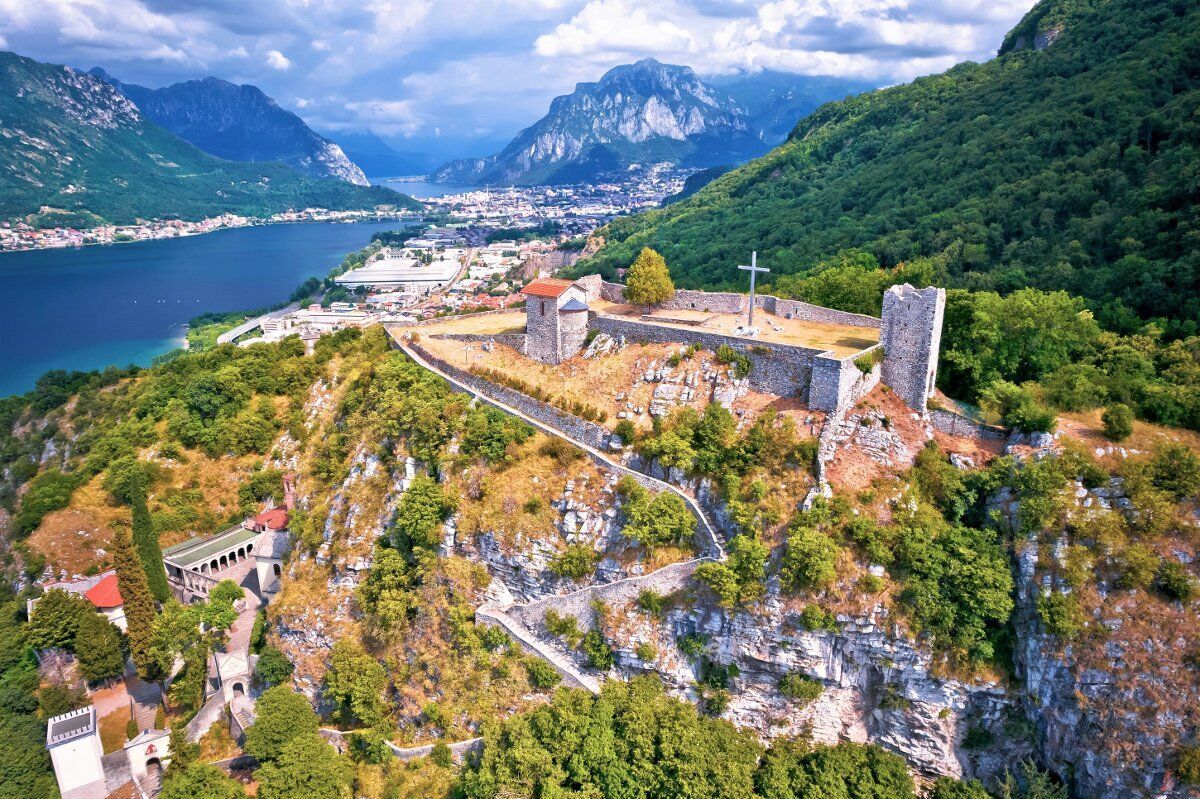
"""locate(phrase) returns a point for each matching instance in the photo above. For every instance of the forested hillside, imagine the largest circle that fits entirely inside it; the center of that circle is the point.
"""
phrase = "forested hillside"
(73, 143)
(1073, 166)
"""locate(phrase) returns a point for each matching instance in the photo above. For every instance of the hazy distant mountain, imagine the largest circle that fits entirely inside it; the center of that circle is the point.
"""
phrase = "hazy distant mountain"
(380, 159)
(776, 101)
(644, 112)
(239, 123)
(75, 146)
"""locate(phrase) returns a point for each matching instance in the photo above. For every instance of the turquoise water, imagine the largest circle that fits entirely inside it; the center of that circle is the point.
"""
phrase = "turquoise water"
(123, 304)
(421, 189)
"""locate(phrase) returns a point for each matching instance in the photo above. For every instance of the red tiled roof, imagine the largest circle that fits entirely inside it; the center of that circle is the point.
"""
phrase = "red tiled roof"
(547, 287)
(105, 594)
(273, 519)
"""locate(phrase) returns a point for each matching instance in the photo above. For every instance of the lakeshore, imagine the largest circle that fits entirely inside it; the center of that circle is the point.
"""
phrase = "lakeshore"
(90, 307)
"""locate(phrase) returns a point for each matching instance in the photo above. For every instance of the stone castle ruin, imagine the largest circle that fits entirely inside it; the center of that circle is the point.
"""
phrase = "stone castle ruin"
(561, 313)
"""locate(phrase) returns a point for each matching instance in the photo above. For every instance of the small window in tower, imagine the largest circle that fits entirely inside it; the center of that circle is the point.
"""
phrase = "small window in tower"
(543, 307)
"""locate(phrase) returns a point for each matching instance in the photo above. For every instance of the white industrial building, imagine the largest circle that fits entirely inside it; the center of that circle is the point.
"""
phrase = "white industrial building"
(405, 273)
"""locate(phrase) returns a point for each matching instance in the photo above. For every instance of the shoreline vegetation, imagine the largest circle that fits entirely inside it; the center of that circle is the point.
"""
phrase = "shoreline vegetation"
(60, 238)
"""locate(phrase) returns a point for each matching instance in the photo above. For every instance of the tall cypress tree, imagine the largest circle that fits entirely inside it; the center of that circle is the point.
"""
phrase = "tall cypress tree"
(139, 603)
(145, 540)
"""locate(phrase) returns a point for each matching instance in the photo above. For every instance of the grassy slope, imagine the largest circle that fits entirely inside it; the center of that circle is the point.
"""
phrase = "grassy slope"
(1073, 167)
(71, 142)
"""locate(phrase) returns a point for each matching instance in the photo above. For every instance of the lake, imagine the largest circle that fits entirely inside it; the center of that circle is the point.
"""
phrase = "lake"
(422, 189)
(90, 307)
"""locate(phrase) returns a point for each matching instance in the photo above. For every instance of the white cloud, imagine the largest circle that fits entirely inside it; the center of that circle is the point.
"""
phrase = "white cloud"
(490, 65)
(277, 60)
(303, 102)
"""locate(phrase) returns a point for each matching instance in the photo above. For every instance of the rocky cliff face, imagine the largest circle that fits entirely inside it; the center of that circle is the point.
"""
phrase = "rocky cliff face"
(635, 113)
(240, 123)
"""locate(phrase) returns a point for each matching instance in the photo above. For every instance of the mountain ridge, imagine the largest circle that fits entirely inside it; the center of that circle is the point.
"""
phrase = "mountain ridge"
(79, 152)
(646, 111)
(239, 122)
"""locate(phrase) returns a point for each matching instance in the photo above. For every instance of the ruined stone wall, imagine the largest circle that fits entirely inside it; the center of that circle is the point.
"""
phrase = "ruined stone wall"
(837, 383)
(912, 337)
(732, 302)
(775, 368)
(954, 424)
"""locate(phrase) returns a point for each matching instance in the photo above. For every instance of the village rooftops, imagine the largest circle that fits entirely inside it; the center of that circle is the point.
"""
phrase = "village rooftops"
(69, 726)
(105, 594)
(547, 287)
(195, 551)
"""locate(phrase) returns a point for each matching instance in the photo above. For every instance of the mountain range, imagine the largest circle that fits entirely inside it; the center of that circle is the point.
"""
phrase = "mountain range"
(647, 112)
(239, 123)
(1066, 162)
(78, 151)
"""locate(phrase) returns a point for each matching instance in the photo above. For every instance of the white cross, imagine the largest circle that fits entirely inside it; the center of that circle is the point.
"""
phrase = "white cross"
(753, 269)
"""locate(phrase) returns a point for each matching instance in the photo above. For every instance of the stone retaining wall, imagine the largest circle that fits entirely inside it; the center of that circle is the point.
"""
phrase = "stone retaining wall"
(515, 340)
(775, 368)
(955, 424)
(666, 580)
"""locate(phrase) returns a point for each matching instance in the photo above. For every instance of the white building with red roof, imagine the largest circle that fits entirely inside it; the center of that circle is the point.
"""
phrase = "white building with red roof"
(556, 317)
(99, 589)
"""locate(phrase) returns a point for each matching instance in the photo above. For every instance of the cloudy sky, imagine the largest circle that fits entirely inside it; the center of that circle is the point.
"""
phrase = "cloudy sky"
(461, 70)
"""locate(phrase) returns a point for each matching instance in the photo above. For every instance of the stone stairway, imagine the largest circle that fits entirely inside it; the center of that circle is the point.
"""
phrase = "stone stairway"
(572, 676)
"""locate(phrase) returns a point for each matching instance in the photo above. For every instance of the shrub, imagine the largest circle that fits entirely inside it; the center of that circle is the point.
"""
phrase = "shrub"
(816, 619)
(599, 653)
(652, 602)
(692, 644)
(869, 360)
(542, 675)
(626, 430)
(721, 580)
(1188, 765)
(565, 627)
(1173, 580)
(870, 584)
(1174, 468)
(728, 356)
(646, 652)
(533, 505)
(1061, 615)
(575, 562)
(1018, 407)
(560, 450)
(798, 686)
(441, 755)
(977, 737)
(273, 666)
(1118, 422)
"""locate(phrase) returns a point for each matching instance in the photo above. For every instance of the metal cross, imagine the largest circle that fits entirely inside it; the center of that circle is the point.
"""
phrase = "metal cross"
(753, 269)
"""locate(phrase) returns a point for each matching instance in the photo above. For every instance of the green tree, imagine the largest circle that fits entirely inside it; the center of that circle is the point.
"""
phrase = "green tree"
(659, 521)
(845, 771)
(1174, 468)
(721, 580)
(201, 780)
(946, 788)
(1118, 422)
(809, 560)
(56, 619)
(138, 603)
(281, 716)
(306, 768)
(423, 508)
(356, 681)
(648, 282)
(98, 648)
(145, 539)
(273, 666)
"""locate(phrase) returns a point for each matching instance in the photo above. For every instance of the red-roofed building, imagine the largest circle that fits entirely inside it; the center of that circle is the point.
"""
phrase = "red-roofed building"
(555, 319)
(99, 589)
(105, 594)
(273, 519)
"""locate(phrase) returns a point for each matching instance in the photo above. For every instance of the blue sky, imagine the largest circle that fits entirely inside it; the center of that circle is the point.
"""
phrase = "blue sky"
(416, 71)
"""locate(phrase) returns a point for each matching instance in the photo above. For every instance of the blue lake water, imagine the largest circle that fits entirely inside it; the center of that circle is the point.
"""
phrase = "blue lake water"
(90, 307)
(422, 189)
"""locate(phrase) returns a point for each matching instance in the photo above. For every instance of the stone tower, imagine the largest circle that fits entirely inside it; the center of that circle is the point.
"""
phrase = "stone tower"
(556, 316)
(912, 337)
